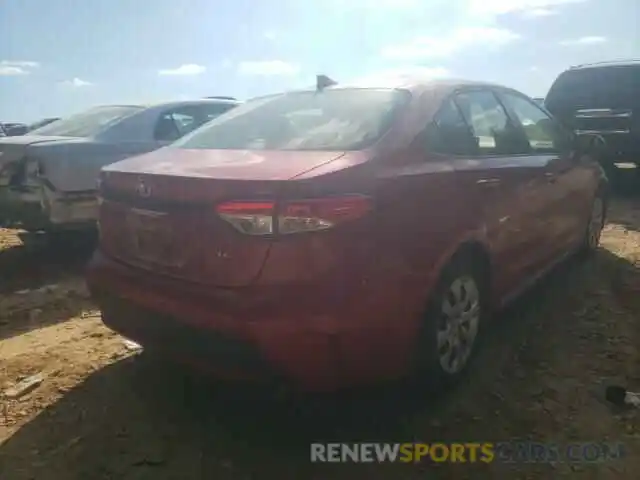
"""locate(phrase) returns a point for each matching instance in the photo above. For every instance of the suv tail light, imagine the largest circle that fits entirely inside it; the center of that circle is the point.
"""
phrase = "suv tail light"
(309, 215)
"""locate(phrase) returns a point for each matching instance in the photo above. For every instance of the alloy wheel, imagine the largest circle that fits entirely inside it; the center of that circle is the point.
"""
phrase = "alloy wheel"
(458, 326)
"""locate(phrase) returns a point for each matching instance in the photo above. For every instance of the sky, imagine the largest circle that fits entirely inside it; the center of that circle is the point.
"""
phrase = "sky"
(59, 57)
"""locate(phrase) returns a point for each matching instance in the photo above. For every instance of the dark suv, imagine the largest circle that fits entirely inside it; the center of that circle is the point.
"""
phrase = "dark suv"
(602, 99)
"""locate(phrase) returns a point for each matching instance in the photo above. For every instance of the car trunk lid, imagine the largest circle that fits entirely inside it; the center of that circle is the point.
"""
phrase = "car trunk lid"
(158, 210)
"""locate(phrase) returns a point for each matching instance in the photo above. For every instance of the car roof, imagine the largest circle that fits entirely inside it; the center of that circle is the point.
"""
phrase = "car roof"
(607, 64)
(184, 103)
(176, 103)
(416, 85)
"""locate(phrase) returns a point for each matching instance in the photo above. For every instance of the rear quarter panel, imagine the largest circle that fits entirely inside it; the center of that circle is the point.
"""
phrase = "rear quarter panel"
(418, 224)
(75, 166)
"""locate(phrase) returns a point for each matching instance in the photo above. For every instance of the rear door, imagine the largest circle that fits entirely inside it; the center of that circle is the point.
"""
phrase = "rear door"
(508, 188)
(566, 178)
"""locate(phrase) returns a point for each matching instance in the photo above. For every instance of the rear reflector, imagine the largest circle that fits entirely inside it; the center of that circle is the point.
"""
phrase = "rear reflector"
(261, 218)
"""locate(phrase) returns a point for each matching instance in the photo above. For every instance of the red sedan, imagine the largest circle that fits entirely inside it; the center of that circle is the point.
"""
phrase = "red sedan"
(345, 236)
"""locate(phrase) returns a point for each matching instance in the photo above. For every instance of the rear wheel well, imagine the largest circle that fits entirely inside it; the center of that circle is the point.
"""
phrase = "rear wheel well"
(476, 254)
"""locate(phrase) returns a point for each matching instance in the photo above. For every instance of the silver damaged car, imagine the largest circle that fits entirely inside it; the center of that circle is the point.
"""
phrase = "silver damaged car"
(48, 177)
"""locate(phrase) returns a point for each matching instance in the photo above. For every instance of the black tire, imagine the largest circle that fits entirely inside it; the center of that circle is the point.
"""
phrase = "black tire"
(71, 240)
(593, 228)
(430, 362)
(612, 172)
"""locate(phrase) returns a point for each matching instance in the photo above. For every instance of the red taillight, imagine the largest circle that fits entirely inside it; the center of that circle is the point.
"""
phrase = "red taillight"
(261, 218)
(321, 213)
(252, 218)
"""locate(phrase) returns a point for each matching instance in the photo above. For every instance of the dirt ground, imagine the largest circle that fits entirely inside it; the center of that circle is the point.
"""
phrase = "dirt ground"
(106, 412)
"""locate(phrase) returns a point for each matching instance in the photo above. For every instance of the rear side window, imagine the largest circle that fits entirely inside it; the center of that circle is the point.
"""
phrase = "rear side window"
(598, 87)
(490, 124)
(449, 133)
(215, 110)
(173, 124)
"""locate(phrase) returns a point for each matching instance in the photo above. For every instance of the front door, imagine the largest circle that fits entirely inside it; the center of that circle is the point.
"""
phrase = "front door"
(509, 189)
(548, 142)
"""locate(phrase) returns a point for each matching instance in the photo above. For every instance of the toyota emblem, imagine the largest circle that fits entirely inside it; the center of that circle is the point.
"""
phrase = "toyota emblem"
(143, 189)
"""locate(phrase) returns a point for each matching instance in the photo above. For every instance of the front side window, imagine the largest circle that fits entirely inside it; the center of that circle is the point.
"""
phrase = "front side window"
(543, 134)
(340, 119)
(490, 124)
(86, 124)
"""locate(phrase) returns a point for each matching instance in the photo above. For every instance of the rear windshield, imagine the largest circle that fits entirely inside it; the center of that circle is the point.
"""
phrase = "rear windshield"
(603, 87)
(341, 119)
(86, 124)
(41, 123)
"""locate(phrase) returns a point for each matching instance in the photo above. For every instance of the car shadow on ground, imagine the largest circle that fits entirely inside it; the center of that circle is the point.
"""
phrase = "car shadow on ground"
(142, 419)
(625, 210)
(35, 262)
(41, 285)
(43, 307)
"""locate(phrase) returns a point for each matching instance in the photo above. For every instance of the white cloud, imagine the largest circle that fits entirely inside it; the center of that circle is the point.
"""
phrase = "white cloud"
(591, 40)
(76, 82)
(457, 40)
(270, 35)
(501, 7)
(392, 76)
(11, 71)
(186, 69)
(375, 4)
(534, 69)
(540, 12)
(19, 63)
(268, 67)
(17, 67)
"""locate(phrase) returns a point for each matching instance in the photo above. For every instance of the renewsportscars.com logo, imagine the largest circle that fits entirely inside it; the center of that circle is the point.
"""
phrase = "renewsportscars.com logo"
(470, 452)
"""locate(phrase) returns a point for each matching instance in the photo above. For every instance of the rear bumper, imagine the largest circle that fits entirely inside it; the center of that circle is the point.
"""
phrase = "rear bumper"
(238, 333)
(23, 207)
(37, 208)
(181, 340)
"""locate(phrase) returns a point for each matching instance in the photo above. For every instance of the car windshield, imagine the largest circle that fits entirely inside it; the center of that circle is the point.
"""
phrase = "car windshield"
(341, 119)
(602, 87)
(86, 124)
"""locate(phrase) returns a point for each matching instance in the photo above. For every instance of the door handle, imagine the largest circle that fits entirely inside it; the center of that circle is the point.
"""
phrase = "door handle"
(489, 182)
